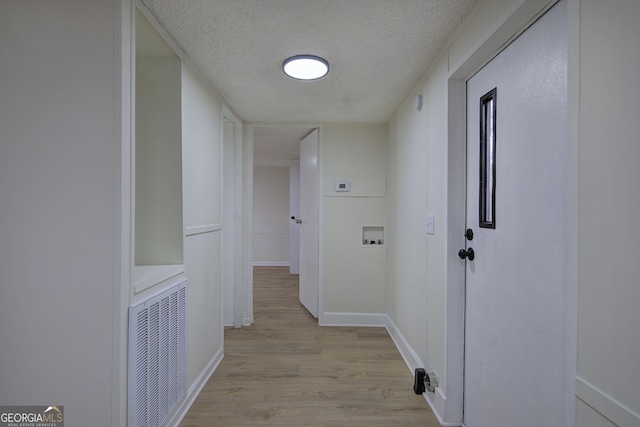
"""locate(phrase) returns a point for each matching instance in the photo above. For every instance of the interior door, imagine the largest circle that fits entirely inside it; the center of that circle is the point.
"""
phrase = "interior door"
(309, 292)
(515, 255)
(294, 213)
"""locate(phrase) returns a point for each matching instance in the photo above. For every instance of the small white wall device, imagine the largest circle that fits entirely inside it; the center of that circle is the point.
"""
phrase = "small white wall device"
(342, 186)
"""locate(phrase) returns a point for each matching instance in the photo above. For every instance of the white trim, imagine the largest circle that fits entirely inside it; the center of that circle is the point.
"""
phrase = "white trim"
(201, 229)
(606, 405)
(123, 208)
(230, 115)
(196, 388)
(320, 132)
(147, 276)
(573, 210)
(409, 355)
(247, 225)
(377, 320)
(437, 405)
(271, 263)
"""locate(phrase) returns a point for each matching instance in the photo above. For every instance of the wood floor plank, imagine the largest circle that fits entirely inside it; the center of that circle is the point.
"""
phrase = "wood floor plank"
(285, 370)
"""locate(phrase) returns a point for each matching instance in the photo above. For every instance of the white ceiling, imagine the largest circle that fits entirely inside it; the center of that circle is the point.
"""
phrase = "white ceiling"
(377, 49)
(277, 146)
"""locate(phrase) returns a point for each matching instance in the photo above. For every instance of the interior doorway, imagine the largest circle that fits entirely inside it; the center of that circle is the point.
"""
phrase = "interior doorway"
(283, 225)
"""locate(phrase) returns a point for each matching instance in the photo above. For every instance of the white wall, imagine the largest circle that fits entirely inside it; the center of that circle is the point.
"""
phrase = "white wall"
(408, 178)
(609, 294)
(417, 261)
(271, 216)
(63, 237)
(59, 207)
(202, 205)
(158, 183)
(353, 276)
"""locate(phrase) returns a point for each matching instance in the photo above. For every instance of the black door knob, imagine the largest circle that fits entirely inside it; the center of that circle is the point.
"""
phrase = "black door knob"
(469, 254)
(469, 234)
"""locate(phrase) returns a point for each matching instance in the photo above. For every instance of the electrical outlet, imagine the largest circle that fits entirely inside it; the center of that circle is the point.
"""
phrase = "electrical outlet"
(430, 226)
(430, 381)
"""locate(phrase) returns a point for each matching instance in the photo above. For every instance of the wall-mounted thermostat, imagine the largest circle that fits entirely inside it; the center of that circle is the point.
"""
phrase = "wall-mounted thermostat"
(342, 186)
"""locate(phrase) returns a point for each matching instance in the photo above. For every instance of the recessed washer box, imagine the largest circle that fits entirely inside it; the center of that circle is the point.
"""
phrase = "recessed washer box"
(373, 235)
(342, 186)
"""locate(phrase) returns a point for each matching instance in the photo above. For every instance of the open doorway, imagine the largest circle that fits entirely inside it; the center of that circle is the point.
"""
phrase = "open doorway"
(278, 204)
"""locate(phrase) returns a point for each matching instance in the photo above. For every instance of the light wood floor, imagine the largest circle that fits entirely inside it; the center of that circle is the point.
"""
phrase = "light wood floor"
(285, 370)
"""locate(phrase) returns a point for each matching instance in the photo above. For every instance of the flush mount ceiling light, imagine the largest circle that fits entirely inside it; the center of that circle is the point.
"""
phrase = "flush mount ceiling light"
(305, 67)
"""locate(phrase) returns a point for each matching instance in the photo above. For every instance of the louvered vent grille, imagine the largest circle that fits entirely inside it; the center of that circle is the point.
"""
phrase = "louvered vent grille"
(157, 357)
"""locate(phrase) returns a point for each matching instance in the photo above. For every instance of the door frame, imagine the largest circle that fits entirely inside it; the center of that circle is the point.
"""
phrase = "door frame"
(449, 402)
(232, 214)
(247, 208)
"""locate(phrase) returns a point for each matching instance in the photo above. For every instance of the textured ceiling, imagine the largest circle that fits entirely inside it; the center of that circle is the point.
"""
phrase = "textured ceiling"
(277, 146)
(377, 49)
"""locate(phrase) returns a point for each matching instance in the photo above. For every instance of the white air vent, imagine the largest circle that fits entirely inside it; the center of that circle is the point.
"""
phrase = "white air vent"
(157, 357)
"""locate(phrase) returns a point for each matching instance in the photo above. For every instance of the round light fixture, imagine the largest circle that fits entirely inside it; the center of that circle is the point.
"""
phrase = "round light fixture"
(305, 67)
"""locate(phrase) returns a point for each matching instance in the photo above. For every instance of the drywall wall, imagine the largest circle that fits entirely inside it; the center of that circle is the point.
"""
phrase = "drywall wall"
(202, 206)
(271, 216)
(436, 92)
(417, 173)
(59, 209)
(408, 181)
(353, 275)
(608, 344)
(158, 162)
(61, 189)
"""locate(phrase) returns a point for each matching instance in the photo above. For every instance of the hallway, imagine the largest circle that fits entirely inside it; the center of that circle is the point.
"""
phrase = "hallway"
(285, 370)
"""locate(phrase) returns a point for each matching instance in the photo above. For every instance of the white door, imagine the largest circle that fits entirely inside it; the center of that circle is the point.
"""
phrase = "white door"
(515, 323)
(309, 294)
(294, 213)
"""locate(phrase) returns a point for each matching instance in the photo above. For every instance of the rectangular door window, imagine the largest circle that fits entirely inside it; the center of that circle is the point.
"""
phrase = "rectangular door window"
(488, 159)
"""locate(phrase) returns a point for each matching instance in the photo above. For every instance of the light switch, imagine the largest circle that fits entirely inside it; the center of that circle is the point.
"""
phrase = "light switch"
(430, 226)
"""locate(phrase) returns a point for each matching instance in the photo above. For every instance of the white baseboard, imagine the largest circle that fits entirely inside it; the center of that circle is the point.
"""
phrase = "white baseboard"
(408, 354)
(605, 404)
(271, 263)
(436, 400)
(195, 389)
(378, 320)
